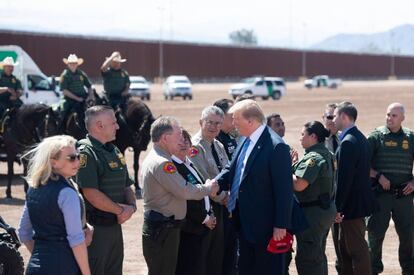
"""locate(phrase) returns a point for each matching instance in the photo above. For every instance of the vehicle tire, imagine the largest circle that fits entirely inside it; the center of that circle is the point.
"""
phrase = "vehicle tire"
(171, 97)
(265, 97)
(11, 262)
(165, 97)
(334, 86)
(248, 92)
(234, 97)
(148, 97)
(276, 95)
(190, 97)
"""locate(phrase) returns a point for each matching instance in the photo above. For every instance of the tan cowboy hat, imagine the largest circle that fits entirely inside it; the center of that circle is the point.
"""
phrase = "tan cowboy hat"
(8, 61)
(72, 58)
(117, 57)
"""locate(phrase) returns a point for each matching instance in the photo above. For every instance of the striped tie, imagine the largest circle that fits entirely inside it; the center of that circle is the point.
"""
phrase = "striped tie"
(237, 176)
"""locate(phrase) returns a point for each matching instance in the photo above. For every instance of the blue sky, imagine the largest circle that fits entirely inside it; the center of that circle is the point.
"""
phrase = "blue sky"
(289, 23)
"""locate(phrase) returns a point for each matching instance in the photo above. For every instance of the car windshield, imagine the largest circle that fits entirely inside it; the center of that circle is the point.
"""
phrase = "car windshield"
(248, 80)
(181, 81)
(138, 81)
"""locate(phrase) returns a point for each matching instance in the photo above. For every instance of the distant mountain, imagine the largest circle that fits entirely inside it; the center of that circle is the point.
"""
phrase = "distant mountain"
(399, 40)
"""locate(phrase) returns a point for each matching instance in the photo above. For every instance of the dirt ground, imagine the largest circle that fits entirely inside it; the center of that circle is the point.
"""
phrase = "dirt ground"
(297, 107)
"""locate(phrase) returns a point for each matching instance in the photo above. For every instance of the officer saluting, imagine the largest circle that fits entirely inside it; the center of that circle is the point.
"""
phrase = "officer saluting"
(165, 194)
(116, 80)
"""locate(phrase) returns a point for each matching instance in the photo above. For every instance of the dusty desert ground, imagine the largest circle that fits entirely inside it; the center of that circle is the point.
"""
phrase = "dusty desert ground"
(297, 107)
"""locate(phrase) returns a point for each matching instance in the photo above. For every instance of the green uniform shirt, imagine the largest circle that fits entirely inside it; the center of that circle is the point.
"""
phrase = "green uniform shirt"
(317, 168)
(9, 81)
(103, 167)
(75, 82)
(115, 81)
(392, 154)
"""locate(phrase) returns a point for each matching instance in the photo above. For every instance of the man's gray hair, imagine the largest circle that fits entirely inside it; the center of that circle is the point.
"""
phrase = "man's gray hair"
(161, 126)
(93, 112)
(211, 110)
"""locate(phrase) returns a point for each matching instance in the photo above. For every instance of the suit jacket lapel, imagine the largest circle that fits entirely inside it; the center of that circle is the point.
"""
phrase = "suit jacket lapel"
(257, 148)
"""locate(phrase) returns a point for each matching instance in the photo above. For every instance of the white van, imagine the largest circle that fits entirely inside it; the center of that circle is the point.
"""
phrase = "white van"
(37, 87)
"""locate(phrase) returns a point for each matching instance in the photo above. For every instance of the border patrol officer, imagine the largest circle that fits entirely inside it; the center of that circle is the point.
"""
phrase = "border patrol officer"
(115, 79)
(105, 183)
(392, 159)
(332, 143)
(165, 194)
(210, 157)
(313, 185)
(72, 83)
(10, 87)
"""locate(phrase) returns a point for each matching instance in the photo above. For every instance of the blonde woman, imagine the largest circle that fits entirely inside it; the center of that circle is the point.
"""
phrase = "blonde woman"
(53, 226)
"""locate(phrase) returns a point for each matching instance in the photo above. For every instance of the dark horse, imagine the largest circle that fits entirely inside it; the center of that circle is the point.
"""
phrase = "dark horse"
(26, 126)
(134, 121)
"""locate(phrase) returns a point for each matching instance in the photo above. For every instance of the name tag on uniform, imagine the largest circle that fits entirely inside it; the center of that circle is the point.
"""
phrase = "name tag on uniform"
(391, 143)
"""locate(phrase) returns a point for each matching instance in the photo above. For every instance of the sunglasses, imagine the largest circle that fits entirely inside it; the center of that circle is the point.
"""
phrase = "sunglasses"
(330, 117)
(73, 157)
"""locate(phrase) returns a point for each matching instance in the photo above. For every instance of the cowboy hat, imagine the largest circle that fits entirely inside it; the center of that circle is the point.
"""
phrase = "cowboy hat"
(72, 58)
(8, 61)
(116, 57)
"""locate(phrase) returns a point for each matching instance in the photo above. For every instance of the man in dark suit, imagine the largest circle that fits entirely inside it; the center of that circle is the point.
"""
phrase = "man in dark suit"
(261, 197)
(354, 197)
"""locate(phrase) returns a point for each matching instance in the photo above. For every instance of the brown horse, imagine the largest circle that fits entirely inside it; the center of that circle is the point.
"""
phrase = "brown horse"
(25, 127)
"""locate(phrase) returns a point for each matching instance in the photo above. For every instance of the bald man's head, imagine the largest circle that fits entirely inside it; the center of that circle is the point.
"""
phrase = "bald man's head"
(395, 116)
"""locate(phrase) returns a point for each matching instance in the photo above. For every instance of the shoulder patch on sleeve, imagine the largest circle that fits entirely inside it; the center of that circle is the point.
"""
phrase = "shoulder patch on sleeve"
(310, 162)
(169, 168)
(83, 160)
(193, 151)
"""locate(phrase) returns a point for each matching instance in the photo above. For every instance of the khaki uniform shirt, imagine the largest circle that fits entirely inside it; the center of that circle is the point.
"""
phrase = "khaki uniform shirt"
(202, 158)
(164, 189)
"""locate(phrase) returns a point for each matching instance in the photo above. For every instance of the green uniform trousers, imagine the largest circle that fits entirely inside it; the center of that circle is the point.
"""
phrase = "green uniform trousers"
(106, 252)
(401, 210)
(161, 257)
(310, 250)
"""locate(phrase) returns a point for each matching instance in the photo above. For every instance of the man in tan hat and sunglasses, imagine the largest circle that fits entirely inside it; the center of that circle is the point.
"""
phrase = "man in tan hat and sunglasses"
(115, 79)
(10, 86)
(72, 83)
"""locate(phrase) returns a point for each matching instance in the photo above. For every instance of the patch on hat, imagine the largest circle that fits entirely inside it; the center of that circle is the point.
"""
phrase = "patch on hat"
(169, 168)
(83, 159)
(310, 162)
(193, 151)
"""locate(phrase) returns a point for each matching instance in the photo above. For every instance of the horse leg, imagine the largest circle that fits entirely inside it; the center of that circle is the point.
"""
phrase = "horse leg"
(10, 174)
(136, 168)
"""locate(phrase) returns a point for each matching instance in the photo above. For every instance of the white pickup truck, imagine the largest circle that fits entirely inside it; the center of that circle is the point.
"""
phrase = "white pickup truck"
(322, 81)
(37, 87)
(263, 87)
